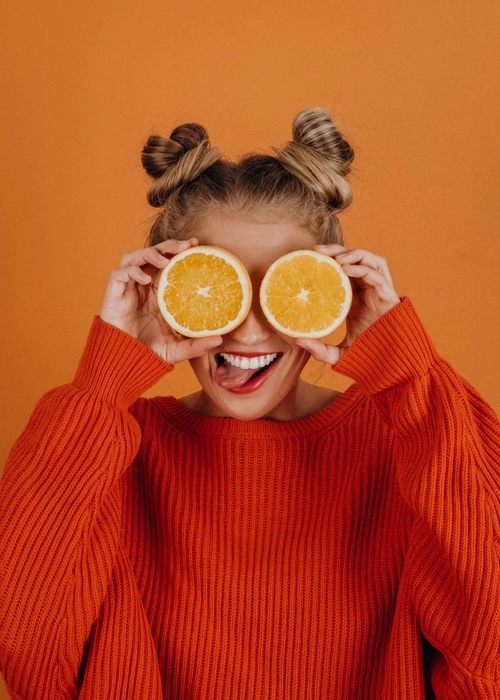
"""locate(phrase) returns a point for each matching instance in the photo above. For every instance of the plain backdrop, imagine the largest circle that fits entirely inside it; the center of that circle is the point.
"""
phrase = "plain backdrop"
(414, 85)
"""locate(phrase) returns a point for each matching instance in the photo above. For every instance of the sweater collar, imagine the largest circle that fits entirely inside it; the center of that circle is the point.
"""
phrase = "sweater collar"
(188, 421)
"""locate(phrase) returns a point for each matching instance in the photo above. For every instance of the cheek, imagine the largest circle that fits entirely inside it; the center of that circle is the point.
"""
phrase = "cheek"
(201, 367)
(302, 356)
(302, 359)
(294, 350)
(298, 357)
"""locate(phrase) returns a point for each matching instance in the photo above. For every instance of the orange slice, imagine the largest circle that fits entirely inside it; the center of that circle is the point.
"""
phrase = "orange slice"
(305, 294)
(204, 291)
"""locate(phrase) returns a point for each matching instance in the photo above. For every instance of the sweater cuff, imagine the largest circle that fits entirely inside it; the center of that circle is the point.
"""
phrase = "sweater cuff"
(393, 350)
(117, 367)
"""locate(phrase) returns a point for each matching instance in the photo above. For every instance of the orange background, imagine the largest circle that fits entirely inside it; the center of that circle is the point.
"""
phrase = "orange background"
(415, 86)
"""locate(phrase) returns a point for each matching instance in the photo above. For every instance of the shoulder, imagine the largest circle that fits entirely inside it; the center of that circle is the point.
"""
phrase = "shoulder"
(151, 409)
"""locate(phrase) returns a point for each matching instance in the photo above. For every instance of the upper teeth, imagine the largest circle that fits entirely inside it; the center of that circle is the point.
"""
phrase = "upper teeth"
(249, 362)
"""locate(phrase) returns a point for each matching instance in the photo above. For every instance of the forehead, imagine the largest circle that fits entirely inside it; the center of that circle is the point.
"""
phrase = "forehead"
(256, 243)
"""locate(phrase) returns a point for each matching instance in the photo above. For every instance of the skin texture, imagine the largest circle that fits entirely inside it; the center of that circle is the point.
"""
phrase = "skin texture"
(130, 304)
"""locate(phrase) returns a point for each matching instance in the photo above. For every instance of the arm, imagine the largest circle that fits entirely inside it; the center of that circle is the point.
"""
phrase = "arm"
(447, 466)
(60, 518)
(448, 469)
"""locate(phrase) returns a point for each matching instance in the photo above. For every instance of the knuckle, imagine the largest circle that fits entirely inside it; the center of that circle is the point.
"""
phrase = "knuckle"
(164, 245)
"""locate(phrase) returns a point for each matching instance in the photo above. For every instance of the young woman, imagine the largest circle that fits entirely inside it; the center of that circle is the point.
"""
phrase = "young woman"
(263, 538)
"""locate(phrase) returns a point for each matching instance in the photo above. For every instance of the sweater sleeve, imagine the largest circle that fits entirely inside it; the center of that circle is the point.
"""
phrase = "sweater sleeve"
(61, 512)
(447, 447)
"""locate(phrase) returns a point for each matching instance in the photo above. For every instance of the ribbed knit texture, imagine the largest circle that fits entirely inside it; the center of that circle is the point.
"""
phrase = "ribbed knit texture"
(151, 552)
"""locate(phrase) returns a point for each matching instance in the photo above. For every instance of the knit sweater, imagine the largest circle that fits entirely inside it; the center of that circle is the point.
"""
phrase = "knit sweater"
(152, 552)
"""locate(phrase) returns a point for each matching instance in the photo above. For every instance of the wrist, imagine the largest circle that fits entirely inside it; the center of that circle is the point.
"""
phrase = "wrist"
(394, 349)
(117, 367)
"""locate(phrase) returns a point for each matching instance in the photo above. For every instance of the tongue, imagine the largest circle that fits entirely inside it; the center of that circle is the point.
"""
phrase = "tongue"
(229, 377)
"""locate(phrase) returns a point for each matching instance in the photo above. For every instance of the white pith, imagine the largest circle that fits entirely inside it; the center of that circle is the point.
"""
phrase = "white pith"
(243, 278)
(249, 362)
(304, 294)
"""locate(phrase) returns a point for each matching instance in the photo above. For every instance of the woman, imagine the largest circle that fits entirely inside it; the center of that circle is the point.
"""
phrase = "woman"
(264, 537)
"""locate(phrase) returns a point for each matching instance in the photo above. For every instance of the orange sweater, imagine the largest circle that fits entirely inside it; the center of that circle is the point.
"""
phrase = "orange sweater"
(150, 552)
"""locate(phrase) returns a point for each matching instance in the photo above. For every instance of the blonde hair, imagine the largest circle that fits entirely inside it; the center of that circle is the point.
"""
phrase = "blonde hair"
(304, 182)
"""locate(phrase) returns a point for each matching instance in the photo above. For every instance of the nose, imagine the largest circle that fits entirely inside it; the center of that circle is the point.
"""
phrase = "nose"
(254, 329)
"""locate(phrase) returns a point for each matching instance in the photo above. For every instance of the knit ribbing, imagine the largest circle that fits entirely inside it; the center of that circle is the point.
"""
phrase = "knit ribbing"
(394, 350)
(129, 370)
(247, 583)
(183, 556)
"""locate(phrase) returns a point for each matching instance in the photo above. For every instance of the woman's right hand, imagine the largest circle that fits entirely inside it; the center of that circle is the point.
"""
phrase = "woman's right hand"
(130, 303)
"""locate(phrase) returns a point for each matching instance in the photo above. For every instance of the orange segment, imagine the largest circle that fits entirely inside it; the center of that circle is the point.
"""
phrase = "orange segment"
(305, 294)
(204, 291)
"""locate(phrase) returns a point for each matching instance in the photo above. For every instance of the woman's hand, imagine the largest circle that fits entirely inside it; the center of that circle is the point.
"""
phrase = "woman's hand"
(130, 303)
(373, 296)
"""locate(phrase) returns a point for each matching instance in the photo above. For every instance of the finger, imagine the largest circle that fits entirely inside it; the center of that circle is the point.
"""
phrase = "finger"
(155, 277)
(189, 348)
(132, 273)
(330, 354)
(154, 272)
(331, 249)
(169, 246)
(123, 278)
(368, 277)
(155, 255)
(365, 257)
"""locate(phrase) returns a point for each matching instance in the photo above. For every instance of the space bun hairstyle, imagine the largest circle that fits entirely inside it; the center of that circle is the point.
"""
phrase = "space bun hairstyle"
(319, 157)
(304, 182)
(175, 161)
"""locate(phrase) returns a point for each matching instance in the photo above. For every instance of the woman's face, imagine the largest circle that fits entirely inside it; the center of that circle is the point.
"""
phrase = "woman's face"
(227, 388)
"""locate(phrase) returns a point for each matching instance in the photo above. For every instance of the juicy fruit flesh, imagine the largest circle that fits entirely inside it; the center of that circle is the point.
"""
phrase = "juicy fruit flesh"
(203, 294)
(296, 299)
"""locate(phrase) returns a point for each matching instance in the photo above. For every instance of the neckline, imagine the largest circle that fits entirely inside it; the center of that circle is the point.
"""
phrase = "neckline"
(189, 421)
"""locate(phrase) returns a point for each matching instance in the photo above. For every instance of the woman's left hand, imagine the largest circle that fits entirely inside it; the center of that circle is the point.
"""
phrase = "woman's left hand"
(373, 295)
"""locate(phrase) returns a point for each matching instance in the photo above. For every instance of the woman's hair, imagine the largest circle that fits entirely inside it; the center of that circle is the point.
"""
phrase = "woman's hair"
(304, 182)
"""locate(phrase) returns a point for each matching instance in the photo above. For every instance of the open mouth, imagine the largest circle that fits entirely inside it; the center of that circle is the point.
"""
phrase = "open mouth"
(242, 373)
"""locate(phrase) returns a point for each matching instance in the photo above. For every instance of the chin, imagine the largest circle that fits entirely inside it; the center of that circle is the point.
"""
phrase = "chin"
(249, 415)
(247, 410)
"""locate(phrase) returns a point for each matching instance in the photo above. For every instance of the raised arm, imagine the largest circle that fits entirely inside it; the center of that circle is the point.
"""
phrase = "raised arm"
(60, 516)
(447, 460)
(61, 509)
(447, 452)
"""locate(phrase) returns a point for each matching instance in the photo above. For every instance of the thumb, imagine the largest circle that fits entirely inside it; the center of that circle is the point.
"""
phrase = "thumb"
(330, 354)
(194, 347)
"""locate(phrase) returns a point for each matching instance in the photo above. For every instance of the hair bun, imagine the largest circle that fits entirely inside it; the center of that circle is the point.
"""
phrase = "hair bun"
(176, 160)
(315, 128)
(319, 156)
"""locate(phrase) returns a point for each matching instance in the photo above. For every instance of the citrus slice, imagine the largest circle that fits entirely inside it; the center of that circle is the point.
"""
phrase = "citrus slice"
(204, 291)
(305, 294)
